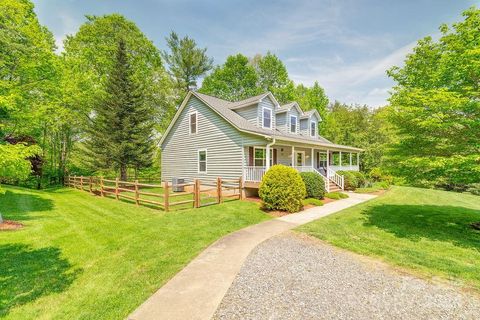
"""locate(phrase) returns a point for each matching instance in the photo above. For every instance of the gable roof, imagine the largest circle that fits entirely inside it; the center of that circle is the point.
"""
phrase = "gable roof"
(309, 113)
(224, 109)
(252, 100)
(289, 106)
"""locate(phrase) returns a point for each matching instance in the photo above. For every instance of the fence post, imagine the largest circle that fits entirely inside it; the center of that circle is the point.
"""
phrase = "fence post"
(196, 193)
(101, 187)
(166, 193)
(74, 182)
(90, 184)
(240, 187)
(136, 193)
(81, 183)
(116, 188)
(219, 190)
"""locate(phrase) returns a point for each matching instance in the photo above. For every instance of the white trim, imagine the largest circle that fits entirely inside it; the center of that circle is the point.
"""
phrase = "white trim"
(195, 112)
(310, 128)
(271, 118)
(206, 160)
(290, 123)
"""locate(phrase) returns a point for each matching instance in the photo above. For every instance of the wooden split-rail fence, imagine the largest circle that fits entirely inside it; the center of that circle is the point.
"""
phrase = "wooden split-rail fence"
(161, 195)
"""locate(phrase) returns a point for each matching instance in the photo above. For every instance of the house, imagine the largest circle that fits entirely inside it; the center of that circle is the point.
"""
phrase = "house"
(211, 137)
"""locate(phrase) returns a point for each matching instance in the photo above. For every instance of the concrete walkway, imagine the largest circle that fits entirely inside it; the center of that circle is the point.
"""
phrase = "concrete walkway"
(197, 290)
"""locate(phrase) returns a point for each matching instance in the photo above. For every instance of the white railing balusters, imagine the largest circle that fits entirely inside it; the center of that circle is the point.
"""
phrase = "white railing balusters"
(252, 173)
(335, 177)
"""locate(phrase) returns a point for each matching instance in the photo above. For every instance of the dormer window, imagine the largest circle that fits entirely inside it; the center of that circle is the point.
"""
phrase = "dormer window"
(293, 124)
(193, 123)
(267, 118)
(313, 129)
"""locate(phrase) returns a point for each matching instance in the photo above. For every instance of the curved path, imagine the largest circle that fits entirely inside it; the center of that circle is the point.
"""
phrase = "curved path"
(197, 290)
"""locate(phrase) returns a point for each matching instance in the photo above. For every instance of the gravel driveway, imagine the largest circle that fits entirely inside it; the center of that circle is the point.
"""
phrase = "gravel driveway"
(292, 276)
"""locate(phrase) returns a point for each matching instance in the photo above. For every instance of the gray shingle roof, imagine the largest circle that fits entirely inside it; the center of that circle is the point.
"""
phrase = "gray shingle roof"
(223, 107)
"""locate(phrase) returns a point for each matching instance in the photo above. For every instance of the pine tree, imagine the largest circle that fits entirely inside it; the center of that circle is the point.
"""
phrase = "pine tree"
(120, 135)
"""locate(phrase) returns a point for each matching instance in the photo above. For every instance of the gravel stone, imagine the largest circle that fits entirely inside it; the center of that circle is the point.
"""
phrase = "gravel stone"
(292, 276)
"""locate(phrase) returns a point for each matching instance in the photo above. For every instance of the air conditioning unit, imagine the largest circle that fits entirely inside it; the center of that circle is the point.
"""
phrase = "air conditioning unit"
(175, 185)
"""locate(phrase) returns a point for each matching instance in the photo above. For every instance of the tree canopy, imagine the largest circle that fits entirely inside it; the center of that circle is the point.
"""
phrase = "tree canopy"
(186, 61)
(436, 108)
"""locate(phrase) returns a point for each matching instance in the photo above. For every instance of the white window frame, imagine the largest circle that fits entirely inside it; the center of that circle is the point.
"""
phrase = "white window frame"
(263, 119)
(296, 123)
(206, 160)
(264, 159)
(315, 130)
(190, 122)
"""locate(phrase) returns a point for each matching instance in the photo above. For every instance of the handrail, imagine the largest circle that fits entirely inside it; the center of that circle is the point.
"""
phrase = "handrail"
(339, 180)
(326, 181)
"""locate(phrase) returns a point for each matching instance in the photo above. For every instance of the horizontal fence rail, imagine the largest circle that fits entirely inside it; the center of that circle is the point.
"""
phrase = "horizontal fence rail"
(161, 195)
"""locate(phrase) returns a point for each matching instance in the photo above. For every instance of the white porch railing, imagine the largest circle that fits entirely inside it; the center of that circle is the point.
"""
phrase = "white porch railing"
(335, 177)
(325, 180)
(252, 173)
(346, 167)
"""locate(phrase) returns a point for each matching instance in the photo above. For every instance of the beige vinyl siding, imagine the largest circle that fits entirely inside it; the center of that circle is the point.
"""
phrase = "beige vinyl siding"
(293, 112)
(222, 141)
(304, 126)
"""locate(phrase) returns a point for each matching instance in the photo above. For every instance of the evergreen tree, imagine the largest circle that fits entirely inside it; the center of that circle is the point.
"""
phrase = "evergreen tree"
(121, 130)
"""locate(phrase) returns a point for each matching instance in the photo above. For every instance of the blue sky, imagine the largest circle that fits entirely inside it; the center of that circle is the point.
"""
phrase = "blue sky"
(345, 45)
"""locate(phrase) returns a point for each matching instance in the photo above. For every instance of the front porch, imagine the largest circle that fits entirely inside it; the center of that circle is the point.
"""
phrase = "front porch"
(324, 162)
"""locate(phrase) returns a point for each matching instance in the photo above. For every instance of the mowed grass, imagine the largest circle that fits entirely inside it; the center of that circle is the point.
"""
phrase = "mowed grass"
(85, 257)
(425, 231)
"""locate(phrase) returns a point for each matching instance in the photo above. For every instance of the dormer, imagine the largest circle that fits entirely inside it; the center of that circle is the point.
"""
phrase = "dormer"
(288, 118)
(259, 110)
(309, 123)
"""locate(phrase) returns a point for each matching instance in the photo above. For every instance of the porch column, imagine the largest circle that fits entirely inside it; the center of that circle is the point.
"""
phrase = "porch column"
(350, 161)
(340, 161)
(358, 159)
(312, 158)
(267, 158)
(293, 156)
(328, 160)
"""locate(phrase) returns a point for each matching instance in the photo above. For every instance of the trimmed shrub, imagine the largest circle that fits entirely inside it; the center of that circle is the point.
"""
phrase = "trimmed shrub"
(314, 185)
(350, 182)
(282, 188)
(361, 179)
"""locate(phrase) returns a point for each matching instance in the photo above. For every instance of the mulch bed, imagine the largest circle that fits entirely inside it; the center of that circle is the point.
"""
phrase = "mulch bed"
(10, 225)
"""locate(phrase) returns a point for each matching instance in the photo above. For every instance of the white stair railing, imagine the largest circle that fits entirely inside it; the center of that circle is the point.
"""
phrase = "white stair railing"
(325, 180)
(339, 180)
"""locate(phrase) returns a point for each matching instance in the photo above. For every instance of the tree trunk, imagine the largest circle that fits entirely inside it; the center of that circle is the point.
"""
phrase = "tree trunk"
(123, 172)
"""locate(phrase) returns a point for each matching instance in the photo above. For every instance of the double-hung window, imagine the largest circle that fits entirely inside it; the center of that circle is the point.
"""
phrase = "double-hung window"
(313, 129)
(260, 157)
(267, 118)
(193, 122)
(202, 161)
(293, 124)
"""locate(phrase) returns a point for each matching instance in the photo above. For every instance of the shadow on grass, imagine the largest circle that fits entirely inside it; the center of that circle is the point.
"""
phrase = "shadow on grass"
(27, 274)
(437, 223)
(17, 205)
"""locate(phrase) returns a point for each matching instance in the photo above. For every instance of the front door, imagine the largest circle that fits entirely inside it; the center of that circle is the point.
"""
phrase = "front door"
(299, 159)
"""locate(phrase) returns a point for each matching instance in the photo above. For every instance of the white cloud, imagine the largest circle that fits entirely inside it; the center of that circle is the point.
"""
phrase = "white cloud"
(68, 25)
(352, 83)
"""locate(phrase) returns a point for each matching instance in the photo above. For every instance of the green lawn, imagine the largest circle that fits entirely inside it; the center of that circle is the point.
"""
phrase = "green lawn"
(86, 257)
(425, 231)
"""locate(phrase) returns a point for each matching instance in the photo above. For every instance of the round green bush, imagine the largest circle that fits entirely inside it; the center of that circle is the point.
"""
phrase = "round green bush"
(282, 188)
(361, 179)
(314, 185)
(350, 182)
